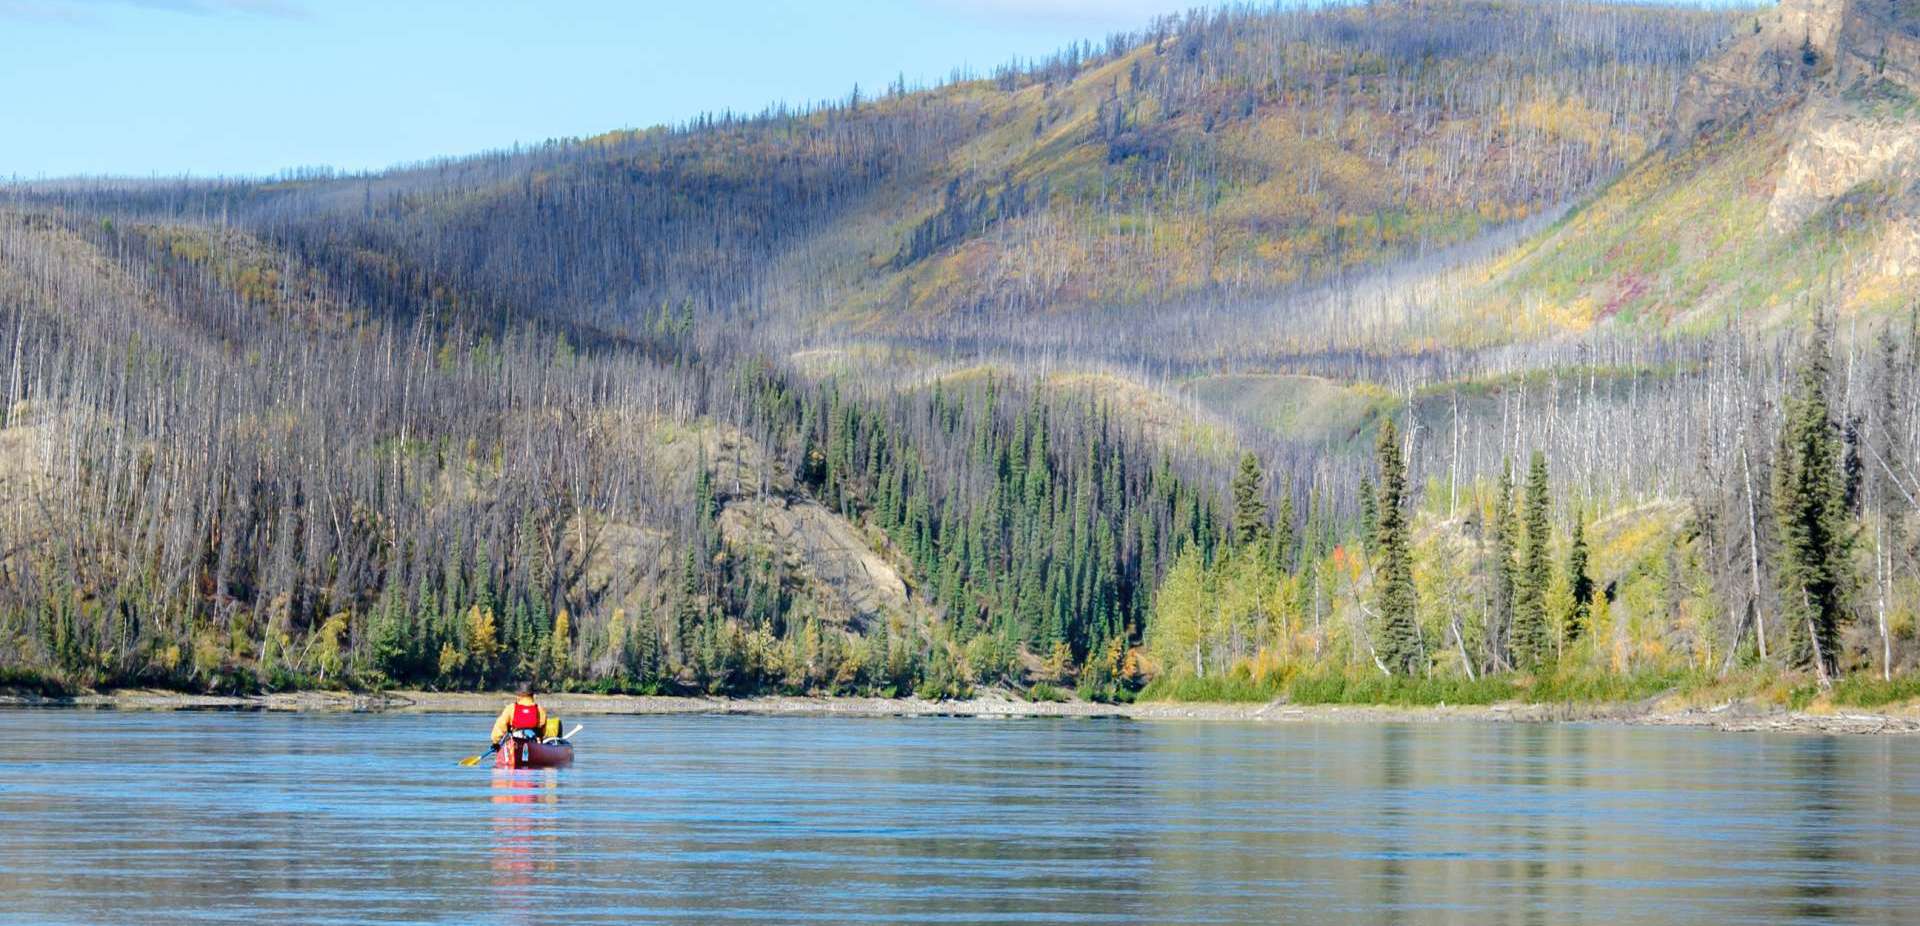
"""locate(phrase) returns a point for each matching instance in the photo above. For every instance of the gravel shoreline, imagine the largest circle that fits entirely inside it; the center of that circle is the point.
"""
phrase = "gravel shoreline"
(1736, 716)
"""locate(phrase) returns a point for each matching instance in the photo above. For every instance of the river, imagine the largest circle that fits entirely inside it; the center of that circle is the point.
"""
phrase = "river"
(112, 817)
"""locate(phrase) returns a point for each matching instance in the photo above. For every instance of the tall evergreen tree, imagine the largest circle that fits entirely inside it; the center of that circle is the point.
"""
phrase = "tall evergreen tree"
(880, 662)
(392, 635)
(1397, 637)
(1283, 539)
(1249, 503)
(431, 625)
(1370, 516)
(1532, 641)
(1500, 596)
(1809, 497)
(1579, 583)
(648, 661)
(705, 508)
(686, 611)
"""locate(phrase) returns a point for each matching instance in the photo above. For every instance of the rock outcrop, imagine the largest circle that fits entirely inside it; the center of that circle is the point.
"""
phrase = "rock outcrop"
(1788, 181)
(1758, 74)
(1843, 78)
(1839, 147)
(764, 513)
(1876, 40)
(831, 562)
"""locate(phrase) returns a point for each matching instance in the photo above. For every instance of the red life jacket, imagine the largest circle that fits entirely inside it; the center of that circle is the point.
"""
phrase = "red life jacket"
(526, 717)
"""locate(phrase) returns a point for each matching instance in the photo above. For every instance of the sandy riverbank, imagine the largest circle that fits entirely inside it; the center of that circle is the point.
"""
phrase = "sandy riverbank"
(1732, 716)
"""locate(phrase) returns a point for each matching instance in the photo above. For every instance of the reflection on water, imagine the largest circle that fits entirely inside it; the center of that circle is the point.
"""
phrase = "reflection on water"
(1815, 763)
(244, 817)
(524, 849)
(536, 786)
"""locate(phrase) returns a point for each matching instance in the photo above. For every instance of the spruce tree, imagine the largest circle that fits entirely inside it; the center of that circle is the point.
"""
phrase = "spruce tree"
(1809, 498)
(1249, 503)
(686, 612)
(453, 598)
(483, 578)
(432, 627)
(1370, 516)
(880, 660)
(1531, 639)
(1500, 633)
(648, 663)
(391, 630)
(522, 636)
(1579, 583)
(560, 647)
(1283, 539)
(705, 507)
(1397, 638)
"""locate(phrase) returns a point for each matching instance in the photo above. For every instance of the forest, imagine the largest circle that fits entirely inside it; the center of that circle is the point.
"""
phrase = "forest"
(1267, 352)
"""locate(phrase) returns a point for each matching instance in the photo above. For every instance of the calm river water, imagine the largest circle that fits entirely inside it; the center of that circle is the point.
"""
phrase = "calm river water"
(218, 817)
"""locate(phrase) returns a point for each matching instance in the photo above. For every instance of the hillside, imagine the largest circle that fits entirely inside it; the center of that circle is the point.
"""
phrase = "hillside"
(228, 468)
(1786, 180)
(1236, 152)
(197, 421)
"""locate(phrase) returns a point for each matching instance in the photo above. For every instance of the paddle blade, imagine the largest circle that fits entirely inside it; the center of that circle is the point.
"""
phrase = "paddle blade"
(469, 761)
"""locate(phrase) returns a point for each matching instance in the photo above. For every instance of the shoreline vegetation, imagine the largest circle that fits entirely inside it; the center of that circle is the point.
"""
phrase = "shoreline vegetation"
(1493, 611)
(1667, 709)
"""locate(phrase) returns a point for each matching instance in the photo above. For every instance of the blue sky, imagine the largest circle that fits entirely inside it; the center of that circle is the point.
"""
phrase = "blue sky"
(169, 87)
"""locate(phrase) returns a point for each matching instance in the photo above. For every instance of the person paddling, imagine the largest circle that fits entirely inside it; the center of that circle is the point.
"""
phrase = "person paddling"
(524, 718)
(536, 735)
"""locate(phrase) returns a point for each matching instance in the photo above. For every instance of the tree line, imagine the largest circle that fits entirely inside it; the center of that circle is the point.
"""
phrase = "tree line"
(1817, 573)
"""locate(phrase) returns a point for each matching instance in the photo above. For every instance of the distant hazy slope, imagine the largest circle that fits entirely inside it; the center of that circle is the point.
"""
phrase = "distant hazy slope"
(1236, 152)
(1220, 155)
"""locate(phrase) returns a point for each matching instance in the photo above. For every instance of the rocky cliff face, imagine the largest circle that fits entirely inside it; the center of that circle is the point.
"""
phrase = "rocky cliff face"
(832, 560)
(1876, 40)
(1761, 73)
(1843, 77)
(842, 571)
(1839, 149)
(1802, 50)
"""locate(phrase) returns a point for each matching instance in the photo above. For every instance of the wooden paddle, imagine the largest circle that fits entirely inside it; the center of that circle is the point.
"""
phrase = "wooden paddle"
(472, 761)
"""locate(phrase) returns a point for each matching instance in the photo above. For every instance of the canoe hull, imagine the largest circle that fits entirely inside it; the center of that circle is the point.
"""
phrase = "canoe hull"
(533, 754)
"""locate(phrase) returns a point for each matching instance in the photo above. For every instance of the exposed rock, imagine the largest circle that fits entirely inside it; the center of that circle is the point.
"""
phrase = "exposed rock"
(1843, 79)
(633, 565)
(1877, 40)
(1838, 148)
(762, 511)
(624, 565)
(822, 550)
(1801, 46)
(1898, 252)
(1758, 73)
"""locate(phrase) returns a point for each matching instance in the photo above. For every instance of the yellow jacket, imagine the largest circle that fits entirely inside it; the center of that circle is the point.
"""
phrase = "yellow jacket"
(505, 719)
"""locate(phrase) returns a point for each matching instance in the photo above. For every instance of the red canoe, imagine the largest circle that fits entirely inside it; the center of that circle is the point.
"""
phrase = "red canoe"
(534, 754)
